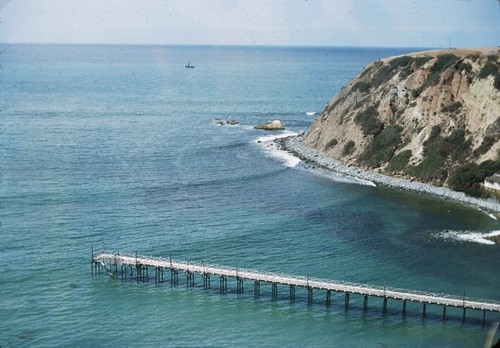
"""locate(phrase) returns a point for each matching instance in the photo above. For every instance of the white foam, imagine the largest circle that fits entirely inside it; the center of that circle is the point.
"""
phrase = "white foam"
(366, 182)
(469, 236)
(273, 150)
(270, 138)
(288, 159)
(338, 177)
(489, 214)
(310, 113)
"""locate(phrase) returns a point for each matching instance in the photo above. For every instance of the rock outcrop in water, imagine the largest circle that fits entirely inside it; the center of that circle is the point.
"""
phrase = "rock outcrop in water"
(271, 125)
(432, 117)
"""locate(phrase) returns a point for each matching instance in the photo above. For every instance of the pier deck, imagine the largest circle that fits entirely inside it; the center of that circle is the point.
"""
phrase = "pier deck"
(112, 260)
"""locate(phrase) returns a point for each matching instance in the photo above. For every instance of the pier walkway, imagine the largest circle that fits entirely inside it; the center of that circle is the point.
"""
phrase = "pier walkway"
(118, 264)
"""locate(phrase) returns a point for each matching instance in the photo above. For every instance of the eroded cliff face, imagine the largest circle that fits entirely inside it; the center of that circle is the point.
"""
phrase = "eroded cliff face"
(417, 116)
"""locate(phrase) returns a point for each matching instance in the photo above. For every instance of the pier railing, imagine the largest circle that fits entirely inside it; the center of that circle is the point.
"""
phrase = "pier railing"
(126, 261)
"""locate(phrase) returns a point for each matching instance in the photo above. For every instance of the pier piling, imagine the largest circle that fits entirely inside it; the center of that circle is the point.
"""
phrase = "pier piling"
(256, 288)
(189, 279)
(174, 277)
(223, 284)
(206, 281)
(309, 295)
(239, 285)
(111, 261)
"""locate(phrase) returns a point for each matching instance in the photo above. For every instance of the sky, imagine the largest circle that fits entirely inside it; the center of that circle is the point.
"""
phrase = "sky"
(380, 23)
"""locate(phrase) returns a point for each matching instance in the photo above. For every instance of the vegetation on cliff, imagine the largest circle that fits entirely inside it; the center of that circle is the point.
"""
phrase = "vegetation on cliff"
(431, 116)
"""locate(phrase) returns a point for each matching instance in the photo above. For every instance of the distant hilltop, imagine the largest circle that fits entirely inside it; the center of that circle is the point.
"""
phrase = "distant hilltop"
(431, 116)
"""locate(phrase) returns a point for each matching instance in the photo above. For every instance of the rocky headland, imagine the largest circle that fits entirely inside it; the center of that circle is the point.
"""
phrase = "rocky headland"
(427, 122)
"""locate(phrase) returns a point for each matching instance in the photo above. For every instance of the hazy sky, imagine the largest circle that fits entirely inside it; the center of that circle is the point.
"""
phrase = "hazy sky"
(396, 23)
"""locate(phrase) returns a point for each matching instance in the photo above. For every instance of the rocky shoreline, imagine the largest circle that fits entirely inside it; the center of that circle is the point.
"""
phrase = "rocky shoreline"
(296, 146)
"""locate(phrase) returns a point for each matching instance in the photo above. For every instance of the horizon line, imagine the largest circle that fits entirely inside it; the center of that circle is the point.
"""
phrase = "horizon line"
(222, 45)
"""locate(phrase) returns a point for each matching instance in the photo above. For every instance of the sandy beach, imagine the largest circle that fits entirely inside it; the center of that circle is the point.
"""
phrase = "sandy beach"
(296, 146)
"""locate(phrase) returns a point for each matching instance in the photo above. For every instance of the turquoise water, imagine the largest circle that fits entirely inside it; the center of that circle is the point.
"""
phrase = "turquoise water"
(117, 147)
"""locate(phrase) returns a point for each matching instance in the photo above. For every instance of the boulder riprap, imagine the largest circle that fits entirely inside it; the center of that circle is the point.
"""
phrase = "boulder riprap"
(297, 146)
(271, 125)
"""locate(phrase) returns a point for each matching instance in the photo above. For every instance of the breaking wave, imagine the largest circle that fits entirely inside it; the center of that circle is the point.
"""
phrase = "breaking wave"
(467, 236)
(273, 150)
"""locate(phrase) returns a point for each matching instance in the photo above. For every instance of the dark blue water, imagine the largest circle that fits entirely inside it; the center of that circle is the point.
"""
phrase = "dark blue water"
(117, 146)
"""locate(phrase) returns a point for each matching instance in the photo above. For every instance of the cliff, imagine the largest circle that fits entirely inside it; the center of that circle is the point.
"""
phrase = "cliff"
(429, 116)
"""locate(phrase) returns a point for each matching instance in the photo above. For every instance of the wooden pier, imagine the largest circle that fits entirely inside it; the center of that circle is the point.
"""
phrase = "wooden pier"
(124, 265)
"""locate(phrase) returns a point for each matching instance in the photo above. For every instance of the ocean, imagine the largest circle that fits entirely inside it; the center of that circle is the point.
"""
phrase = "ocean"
(119, 147)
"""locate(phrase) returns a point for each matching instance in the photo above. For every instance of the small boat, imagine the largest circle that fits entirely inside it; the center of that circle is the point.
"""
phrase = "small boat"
(189, 66)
